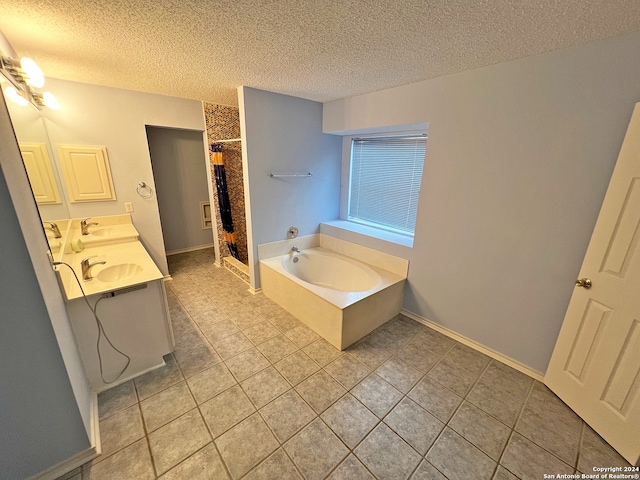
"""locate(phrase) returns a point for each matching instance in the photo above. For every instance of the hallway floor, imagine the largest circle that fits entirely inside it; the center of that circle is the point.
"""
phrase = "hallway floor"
(250, 392)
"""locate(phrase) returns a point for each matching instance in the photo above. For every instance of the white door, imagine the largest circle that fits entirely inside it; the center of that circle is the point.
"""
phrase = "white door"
(595, 367)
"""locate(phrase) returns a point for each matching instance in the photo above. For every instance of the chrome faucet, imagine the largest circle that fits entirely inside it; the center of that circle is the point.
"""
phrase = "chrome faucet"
(54, 228)
(86, 267)
(295, 249)
(84, 226)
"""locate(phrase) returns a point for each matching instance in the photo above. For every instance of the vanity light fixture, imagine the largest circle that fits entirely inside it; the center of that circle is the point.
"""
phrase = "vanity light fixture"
(34, 76)
(50, 101)
(25, 77)
(13, 95)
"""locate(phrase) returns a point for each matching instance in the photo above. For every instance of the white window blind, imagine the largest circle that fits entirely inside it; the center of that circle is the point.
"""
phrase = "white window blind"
(386, 173)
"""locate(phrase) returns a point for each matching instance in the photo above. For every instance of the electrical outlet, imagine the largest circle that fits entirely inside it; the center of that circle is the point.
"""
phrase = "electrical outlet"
(128, 207)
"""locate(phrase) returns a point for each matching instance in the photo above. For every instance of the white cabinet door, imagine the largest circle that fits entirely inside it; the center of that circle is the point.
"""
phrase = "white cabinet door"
(87, 173)
(40, 173)
(595, 367)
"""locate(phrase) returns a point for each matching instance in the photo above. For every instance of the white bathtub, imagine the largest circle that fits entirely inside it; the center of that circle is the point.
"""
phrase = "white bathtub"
(340, 298)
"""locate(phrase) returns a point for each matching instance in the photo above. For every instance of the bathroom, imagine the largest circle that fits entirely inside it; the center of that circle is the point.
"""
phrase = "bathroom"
(475, 217)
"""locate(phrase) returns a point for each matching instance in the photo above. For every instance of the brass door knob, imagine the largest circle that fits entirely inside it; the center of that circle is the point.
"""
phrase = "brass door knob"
(583, 282)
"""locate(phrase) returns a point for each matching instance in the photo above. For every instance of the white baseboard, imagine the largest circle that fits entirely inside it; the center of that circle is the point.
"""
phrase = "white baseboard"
(95, 424)
(79, 458)
(255, 291)
(190, 249)
(238, 268)
(68, 465)
(167, 278)
(476, 346)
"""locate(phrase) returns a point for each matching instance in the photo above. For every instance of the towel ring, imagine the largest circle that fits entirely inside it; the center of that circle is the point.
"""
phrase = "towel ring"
(144, 190)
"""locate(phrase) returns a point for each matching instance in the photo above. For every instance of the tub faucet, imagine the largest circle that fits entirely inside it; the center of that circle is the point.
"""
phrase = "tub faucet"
(84, 226)
(54, 228)
(86, 267)
(295, 249)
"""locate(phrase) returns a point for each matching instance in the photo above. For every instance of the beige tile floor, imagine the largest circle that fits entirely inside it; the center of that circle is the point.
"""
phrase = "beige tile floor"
(250, 392)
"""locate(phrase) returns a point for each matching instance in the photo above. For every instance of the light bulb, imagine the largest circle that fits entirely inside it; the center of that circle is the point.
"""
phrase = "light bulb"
(13, 95)
(50, 101)
(35, 77)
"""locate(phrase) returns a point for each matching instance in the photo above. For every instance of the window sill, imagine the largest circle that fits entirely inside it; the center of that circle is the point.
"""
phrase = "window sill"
(383, 240)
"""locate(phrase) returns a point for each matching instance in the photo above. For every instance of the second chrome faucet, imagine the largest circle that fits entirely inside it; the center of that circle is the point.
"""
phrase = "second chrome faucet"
(84, 226)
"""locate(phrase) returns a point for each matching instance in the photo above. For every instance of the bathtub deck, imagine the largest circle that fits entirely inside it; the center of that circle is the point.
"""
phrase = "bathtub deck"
(340, 327)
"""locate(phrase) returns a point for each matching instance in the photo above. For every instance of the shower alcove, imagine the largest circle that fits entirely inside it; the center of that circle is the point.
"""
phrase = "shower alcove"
(223, 130)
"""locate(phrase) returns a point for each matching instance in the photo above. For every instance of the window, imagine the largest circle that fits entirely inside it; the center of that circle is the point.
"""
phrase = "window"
(386, 173)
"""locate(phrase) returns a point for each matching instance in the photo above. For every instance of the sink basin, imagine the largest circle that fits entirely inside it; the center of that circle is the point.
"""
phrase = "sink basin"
(117, 273)
(101, 232)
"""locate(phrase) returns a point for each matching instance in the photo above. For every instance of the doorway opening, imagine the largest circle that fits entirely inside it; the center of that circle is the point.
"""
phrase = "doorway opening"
(182, 188)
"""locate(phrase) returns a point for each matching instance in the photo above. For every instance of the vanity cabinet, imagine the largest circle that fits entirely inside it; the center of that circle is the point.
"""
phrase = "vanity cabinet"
(136, 320)
(126, 289)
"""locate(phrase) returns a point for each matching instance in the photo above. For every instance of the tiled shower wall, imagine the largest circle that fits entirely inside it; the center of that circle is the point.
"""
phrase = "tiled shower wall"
(224, 123)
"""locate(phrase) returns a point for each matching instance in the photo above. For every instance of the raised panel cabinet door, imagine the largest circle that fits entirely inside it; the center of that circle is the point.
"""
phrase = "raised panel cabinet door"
(86, 173)
(40, 172)
(595, 366)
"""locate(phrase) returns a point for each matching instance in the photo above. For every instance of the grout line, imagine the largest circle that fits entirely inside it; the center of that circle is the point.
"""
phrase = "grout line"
(504, 450)
(513, 427)
(434, 443)
(272, 364)
(373, 370)
(184, 378)
(291, 459)
(340, 462)
(393, 354)
(422, 459)
(524, 404)
(536, 444)
(579, 449)
(437, 469)
(148, 443)
(464, 399)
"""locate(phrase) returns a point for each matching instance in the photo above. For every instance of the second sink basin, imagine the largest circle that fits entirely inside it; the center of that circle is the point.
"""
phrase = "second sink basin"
(117, 273)
(108, 234)
(102, 232)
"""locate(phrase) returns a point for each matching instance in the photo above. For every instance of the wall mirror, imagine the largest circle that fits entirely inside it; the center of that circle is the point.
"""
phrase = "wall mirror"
(112, 124)
(38, 156)
(37, 152)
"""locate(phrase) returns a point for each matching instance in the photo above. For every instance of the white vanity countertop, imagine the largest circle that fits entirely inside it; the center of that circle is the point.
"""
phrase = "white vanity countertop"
(110, 229)
(106, 234)
(132, 263)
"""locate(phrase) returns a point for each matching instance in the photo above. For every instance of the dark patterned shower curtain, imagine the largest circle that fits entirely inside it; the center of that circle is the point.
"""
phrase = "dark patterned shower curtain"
(223, 199)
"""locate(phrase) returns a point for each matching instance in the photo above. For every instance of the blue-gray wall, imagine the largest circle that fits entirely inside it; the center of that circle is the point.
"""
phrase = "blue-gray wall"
(180, 175)
(518, 160)
(283, 134)
(40, 424)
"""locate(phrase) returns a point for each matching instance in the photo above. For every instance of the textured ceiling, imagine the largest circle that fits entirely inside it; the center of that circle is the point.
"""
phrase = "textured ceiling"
(316, 49)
